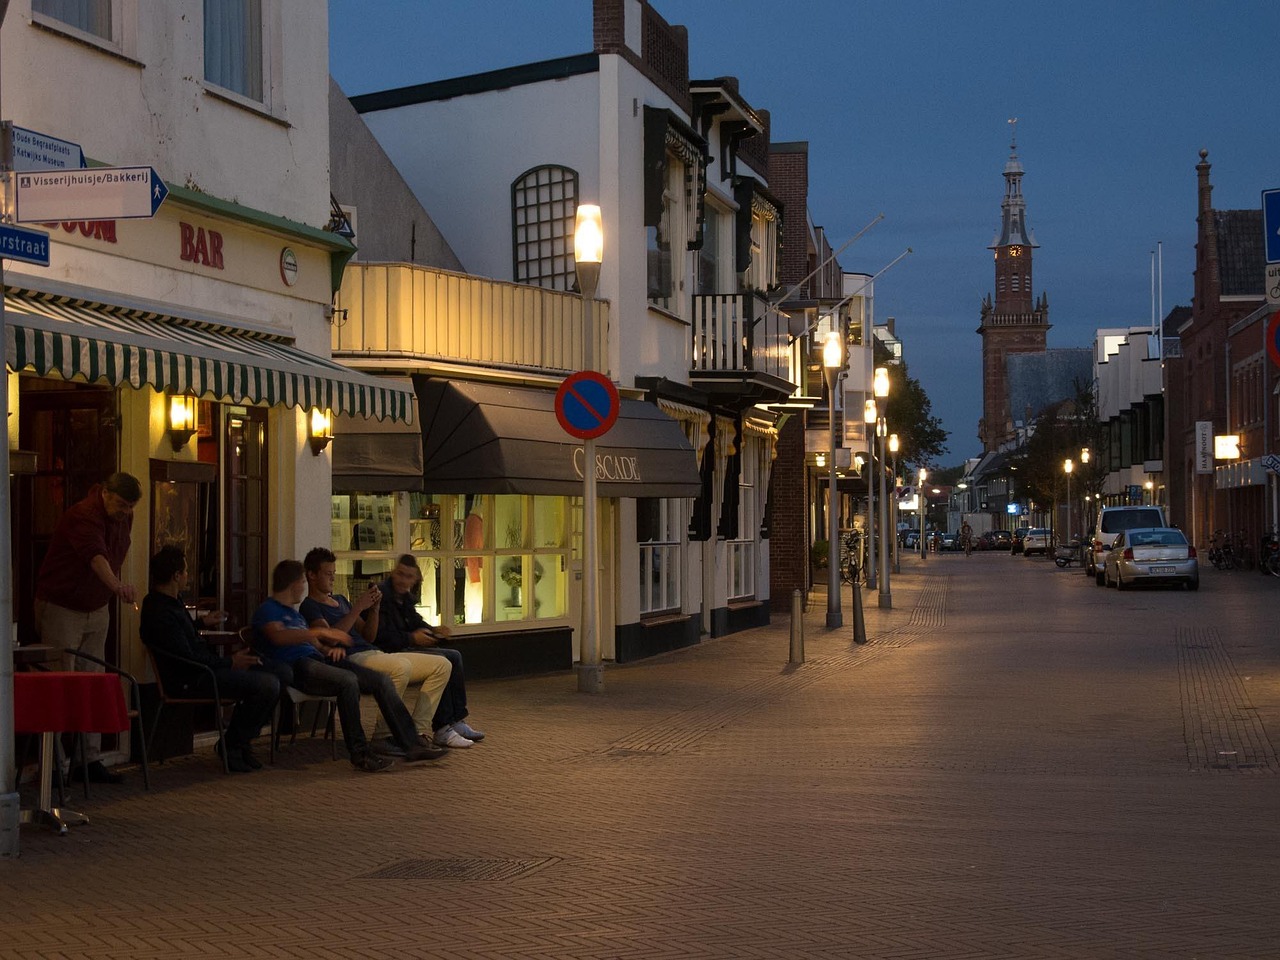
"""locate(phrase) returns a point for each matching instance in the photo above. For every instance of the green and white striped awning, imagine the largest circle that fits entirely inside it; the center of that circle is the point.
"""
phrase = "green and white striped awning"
(121, 346)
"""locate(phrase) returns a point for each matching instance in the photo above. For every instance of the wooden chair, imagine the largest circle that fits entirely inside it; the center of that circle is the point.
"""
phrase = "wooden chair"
(134, 713)
(296, 697)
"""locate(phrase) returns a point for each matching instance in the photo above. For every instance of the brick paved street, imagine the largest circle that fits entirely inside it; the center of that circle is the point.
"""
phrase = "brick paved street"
(1002, 772)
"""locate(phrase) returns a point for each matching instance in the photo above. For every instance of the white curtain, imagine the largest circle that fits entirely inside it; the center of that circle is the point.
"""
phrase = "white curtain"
(233, 45)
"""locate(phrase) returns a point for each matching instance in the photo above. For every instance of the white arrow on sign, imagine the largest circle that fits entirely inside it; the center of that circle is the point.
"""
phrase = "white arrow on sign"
(94, 193)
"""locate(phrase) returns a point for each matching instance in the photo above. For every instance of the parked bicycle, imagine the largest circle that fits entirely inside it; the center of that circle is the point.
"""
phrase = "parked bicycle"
(1221, 553)
(851, 565)
(1269, 555)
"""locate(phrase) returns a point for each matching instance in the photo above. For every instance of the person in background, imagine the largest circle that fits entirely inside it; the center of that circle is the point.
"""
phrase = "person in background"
(79, 578)
(317, 657)
(401, 628)
(168, 628)
(323, 608)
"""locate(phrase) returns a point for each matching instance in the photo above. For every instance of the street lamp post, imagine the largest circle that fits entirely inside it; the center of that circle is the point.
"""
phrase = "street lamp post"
(885, 598)
(832, 359)
(869, 416)
(920, 510)
(1067, 467)
(897, 553)
(588, 252)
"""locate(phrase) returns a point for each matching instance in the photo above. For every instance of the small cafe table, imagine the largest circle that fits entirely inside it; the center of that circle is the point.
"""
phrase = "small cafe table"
(64, 702)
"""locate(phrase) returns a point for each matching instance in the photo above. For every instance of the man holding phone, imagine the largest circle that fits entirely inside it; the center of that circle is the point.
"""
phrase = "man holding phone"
(167, 627)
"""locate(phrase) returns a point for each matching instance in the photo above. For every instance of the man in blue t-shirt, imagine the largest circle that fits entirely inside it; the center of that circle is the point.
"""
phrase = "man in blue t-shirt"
(323, 608)
(317, 657)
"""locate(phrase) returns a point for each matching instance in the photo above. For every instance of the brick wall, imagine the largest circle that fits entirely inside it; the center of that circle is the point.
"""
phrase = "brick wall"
(789, 538)
(789, 182)
(664, 48)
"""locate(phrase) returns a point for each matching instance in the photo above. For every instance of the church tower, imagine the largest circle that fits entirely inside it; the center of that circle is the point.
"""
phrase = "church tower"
(1013, 324)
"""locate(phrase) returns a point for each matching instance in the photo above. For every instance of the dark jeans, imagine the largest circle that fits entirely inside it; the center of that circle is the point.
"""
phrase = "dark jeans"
(453, 701)
(256, 692)
(346, 681)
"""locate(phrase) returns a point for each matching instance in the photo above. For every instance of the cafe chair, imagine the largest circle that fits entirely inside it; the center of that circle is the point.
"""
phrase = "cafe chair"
(296, 698)
(217, 701)
(134, 712)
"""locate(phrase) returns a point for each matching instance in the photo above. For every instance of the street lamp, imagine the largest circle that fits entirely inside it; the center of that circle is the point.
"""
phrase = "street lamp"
(869, 417)
(920, 510)
(588, 253)
(832, 360)
(897, 554)
(1151, 495)
(1067, 467)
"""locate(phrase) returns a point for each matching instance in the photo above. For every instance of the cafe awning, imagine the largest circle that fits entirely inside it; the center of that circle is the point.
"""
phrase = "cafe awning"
(121, 346)
(493, 438)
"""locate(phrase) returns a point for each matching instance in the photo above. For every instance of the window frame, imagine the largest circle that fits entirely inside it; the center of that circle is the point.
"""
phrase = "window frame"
(560, 279)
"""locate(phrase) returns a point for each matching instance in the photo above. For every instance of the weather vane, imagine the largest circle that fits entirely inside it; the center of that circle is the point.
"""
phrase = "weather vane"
(1013, 141)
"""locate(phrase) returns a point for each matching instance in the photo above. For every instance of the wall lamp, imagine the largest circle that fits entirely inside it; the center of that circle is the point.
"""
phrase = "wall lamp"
(320, 430)
(180, 419)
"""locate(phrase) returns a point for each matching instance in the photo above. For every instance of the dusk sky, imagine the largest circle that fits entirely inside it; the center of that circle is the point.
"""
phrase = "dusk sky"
(905, 108)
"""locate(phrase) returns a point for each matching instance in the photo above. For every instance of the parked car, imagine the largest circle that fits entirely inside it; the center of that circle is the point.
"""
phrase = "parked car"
(911, 540)
(1036, 541)
(996, 540)
(1150, 555)
(1111, 521)
(1015, 543)
(948, 541)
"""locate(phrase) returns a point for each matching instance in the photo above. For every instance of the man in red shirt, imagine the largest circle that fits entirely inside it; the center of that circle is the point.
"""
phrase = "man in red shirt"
(79, 578)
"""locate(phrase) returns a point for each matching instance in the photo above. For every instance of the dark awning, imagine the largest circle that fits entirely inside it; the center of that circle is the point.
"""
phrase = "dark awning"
(490, 438)
(376, 456)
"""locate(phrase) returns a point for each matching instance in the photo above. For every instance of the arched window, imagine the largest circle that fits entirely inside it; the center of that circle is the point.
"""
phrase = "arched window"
(544, 202)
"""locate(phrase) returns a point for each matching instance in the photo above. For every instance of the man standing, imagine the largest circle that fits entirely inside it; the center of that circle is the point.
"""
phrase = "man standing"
(79, 578)
(402, 628)
(317, 656)
(166, 627)
(324, 608)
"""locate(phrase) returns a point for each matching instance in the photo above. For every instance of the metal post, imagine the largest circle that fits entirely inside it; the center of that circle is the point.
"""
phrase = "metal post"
(859, 624)
(885, 599)
(920, 510)
(897, 547)
(871, 504)
(797, 627)
(587, 264)
(834, 617)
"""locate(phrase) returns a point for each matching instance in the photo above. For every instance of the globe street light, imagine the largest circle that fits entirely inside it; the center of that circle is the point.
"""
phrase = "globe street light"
(897, 554)
(588, 253)
(920, 511)
(869, 417)
(832, 360)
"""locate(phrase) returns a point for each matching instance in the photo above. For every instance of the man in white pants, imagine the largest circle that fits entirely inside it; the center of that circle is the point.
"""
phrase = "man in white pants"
(322, 608)
(79, 578)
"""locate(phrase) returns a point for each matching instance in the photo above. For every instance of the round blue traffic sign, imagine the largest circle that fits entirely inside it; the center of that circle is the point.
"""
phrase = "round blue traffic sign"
(587, 404)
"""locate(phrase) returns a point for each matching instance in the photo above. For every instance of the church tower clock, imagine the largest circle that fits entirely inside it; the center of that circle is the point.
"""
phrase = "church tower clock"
(1013, 323)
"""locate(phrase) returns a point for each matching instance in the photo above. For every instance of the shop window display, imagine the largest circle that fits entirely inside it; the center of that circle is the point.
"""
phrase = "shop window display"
(485, 559)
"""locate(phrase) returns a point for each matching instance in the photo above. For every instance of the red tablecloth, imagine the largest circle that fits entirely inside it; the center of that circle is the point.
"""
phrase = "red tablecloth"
(68, 703)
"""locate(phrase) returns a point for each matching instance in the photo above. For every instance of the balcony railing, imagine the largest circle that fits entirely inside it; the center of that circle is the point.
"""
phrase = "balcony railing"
(420, 313)
(740, 332)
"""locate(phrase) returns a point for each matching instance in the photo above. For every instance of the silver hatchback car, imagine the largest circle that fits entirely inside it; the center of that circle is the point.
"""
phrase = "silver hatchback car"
(1150, 555)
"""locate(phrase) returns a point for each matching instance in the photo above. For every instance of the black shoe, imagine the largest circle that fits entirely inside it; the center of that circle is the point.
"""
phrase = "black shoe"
(370, 763)
(253, 762)
(423, 752)
(386, 747)
(236, 762)
(97, 774)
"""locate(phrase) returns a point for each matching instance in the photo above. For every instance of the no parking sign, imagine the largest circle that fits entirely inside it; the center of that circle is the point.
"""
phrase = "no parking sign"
(587, 404)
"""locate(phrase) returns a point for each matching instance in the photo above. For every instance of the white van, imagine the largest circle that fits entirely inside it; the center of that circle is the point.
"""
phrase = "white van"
(1111, 521)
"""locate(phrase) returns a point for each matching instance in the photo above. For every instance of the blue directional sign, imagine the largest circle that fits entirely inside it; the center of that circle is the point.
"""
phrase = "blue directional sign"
(19, 243)
(1271, 224)
(95, 193)
(587, 404)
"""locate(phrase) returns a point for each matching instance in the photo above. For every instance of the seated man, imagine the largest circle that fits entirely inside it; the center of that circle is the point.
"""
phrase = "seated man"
(401, 628)
(323, 608)
(167, 628)
(317, 656)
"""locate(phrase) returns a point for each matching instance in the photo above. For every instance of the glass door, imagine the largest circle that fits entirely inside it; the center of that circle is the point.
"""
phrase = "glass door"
(245, 435)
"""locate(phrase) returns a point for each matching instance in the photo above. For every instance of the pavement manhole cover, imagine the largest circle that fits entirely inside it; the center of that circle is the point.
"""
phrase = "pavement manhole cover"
(458, 868)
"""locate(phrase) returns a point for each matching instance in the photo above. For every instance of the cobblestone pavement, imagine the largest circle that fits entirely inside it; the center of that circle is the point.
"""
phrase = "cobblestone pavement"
(1019, 764)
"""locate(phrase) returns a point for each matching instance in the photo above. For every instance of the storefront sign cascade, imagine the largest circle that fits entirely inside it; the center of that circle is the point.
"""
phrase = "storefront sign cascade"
(611, 466)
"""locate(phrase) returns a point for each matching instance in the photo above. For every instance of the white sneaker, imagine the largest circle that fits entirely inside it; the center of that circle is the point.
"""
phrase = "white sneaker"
(449, 737)
(466, 730)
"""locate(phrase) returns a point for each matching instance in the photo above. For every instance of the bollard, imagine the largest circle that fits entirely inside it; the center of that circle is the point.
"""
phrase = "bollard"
(859, 626)
(797, 628)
